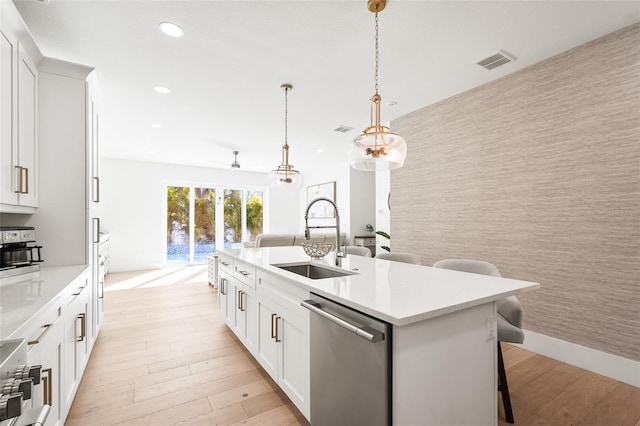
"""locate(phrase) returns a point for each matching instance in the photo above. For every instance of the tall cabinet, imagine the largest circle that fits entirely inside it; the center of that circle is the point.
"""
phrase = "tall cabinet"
(68, 218)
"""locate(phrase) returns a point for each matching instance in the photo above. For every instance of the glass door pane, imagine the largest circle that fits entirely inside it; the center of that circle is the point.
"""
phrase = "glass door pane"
(178, 235)
(254, 214)
(205, 223)
(232, 218)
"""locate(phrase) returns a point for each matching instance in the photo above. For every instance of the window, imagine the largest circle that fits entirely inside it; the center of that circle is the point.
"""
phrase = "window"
(198, 221)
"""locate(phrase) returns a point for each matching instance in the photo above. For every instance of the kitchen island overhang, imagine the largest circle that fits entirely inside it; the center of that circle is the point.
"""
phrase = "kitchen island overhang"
(398, 293)
(444, 351)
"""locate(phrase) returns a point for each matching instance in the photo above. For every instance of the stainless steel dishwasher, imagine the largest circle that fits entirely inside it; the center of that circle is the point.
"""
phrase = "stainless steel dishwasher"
(350, 366)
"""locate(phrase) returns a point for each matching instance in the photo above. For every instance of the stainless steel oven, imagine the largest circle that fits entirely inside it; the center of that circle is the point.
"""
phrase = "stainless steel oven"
(16, 386)
(19, 253)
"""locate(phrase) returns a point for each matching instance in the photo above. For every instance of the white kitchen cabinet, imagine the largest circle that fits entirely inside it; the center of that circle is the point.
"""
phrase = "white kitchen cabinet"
(19, 183)
(76, 346)
(69, 191)
(265, 313)
(283, 345)
(238, 307)
(212, 269)
(50, 382)
(283, 350)
(226, 299)
(246, 312)
(45, 347)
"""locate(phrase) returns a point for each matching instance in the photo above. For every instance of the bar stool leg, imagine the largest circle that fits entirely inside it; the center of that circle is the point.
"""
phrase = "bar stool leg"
(503, 387)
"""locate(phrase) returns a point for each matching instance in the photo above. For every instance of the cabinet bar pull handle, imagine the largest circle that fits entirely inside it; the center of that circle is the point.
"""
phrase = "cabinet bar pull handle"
(244, 273)
(83, 327)
(96, 189)
(18, 189)
(96, 230)
(239, 300)
(48, 386)
(277, 334)
(222, 289)
(273, 333)
(26, 180)
(47, 327)
(242, 307)
(224, 263)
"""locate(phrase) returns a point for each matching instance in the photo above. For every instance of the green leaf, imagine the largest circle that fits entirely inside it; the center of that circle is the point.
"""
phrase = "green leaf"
(384, 234)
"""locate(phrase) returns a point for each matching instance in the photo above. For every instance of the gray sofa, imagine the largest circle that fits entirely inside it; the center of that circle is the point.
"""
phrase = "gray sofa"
(280, 240)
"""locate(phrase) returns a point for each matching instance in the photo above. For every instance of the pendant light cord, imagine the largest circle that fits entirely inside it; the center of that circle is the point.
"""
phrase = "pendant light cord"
(377, 53)
(286, 114)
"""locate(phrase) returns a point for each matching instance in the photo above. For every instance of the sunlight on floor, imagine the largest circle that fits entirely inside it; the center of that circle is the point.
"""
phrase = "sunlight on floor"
(156, 278)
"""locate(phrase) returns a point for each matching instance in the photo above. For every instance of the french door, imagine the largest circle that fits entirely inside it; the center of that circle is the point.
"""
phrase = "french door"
(200, 219)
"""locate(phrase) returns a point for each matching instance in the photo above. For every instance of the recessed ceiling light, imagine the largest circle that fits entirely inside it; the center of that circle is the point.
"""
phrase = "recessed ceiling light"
(156, 125)
(392, 103)
(161, 89)
(171, 29)
(151, 152)
(320, 150)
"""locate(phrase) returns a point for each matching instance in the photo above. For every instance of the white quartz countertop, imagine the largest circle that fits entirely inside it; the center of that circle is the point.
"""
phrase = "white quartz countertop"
(398, 293)
(23, 296)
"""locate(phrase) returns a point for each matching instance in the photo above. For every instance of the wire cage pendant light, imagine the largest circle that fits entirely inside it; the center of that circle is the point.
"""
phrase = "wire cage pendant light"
(377, 148)
(285, 175)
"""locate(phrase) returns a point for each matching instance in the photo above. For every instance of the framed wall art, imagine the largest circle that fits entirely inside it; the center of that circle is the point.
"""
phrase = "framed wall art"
(323, 190)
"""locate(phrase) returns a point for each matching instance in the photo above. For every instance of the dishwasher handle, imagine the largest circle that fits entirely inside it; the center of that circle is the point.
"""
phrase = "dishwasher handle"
(366, 333)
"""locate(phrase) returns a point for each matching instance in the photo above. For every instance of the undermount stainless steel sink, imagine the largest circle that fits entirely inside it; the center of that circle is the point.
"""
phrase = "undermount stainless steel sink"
(313, 271)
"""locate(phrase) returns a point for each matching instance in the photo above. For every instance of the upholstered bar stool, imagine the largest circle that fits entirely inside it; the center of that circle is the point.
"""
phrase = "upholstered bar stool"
(400, 257)
(357, 250)
(509, 319)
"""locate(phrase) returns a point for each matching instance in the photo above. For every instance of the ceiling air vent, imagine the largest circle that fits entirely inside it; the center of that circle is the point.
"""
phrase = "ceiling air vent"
(496, 60)
(342, 129)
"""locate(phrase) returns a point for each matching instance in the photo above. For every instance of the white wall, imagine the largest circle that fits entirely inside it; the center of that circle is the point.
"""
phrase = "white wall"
(134, 202)
(383, 213)
(362, 200)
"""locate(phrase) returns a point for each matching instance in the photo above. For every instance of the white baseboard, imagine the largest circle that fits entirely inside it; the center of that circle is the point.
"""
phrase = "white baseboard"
(613, 366)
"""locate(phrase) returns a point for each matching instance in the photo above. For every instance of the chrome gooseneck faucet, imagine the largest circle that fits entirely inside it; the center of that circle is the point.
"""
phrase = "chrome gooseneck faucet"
(307, 235)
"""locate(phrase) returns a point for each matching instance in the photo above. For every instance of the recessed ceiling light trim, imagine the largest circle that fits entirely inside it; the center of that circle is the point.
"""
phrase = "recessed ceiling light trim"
(162, 89)
(171, 29)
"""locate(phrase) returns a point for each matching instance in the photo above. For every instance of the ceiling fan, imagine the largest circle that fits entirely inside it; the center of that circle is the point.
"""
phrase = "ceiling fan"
(235, 165)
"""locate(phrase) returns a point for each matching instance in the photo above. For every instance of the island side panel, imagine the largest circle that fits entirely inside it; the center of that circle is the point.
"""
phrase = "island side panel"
(445, 369)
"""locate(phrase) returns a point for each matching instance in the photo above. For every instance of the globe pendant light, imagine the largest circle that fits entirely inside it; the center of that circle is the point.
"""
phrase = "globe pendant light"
(285, 175)
(377, 148)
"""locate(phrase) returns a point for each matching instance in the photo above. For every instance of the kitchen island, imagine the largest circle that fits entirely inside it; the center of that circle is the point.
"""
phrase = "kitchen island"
(443, 363)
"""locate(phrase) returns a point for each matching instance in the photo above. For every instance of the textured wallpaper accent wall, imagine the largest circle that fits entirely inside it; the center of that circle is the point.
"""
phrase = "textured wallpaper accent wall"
(539, 173)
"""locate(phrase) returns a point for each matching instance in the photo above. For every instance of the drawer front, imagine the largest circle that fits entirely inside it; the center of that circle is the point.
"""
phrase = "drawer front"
(225, 264)
(43, 328)
(74, 289)
(245, 272)
(285, 293)
(365, 241)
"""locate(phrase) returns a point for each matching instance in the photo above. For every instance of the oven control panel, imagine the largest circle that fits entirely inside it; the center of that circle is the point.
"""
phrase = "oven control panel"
(16, 380)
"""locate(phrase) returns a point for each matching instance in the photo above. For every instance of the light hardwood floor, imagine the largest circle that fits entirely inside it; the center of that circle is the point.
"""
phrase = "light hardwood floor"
(164, 357)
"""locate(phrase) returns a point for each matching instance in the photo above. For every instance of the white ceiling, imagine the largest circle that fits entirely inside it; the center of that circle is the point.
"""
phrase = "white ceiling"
(225, 73)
